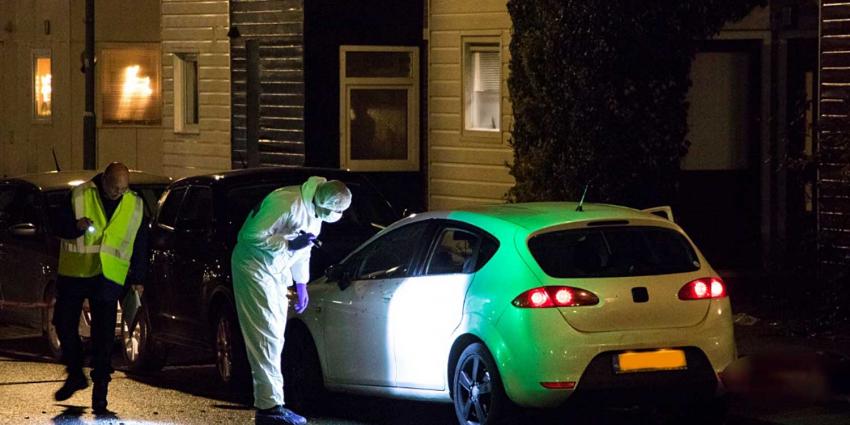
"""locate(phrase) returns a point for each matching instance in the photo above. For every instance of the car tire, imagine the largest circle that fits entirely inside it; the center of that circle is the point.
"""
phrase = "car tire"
(54, 347)
(304, 387)
(477, 392)
(142, 353)
(231, 360)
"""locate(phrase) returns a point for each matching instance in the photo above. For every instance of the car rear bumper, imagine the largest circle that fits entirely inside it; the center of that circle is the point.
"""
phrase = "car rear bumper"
(538, 347)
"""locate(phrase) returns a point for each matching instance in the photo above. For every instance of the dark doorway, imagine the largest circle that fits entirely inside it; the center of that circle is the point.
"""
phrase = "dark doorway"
(719, 193)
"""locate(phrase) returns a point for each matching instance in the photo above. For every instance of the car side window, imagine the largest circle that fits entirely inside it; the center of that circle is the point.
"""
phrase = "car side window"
(198, 213)
(454, 252)
(389, 256)
(168, 207)
(26, 207)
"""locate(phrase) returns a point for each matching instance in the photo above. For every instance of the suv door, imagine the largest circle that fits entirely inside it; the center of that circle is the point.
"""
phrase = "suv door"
(163, 254)
(356, 319)
(195, 255)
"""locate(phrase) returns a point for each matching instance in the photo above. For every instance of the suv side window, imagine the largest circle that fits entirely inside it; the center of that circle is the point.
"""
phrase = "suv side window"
(389, 256)
(199, 211)
(367, 209)
(168, 207)
(7, 198)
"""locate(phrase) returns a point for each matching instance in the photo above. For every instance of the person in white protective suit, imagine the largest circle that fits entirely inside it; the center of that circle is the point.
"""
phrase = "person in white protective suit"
(272, 252)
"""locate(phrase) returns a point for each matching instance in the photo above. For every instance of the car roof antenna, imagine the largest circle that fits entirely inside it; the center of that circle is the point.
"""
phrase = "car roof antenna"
(56, 161)
(581, 201)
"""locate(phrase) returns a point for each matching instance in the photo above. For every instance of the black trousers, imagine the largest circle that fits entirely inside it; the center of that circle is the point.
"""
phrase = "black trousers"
(103, 295)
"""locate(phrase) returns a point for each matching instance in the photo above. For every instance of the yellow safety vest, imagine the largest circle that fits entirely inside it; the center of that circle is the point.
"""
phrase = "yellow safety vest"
(107, 249)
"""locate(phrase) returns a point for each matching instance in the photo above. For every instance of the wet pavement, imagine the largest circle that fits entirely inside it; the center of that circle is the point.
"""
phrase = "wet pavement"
(189, 393)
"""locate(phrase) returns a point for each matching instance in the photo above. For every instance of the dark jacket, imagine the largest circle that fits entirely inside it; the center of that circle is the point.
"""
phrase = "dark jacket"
(65, 227)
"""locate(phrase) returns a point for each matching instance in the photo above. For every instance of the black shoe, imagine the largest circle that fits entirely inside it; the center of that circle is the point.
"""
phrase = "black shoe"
(278, 415)
(73, 383)
(98, 397)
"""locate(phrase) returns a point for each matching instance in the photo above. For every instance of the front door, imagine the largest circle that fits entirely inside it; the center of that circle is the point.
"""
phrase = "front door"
(719, 197)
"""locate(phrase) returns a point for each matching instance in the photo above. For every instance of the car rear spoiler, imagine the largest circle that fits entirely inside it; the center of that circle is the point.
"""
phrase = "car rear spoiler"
(664, 211)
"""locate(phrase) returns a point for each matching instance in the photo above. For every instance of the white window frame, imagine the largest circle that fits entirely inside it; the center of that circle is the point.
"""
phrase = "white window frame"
(480, 43)
(39, 54)
(409, 83)
(180, 61)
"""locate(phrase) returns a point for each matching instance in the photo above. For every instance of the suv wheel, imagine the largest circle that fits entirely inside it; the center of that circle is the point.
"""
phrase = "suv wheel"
(141, 352)
(230, 358)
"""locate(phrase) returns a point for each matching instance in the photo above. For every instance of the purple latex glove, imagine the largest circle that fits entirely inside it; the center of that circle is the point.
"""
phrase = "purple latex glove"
(303, 297)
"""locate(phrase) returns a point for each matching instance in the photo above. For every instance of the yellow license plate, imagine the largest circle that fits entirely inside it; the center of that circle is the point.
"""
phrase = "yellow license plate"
(644, 361)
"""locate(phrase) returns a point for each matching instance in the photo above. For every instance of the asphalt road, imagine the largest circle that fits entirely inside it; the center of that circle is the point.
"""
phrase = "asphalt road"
(190, 394)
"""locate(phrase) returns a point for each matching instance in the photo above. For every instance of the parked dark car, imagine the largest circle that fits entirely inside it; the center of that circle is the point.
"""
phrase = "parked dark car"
(29, 254)
(188, 298)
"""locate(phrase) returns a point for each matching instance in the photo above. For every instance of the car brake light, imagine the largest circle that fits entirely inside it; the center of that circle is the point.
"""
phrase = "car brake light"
(703, 289)
(555, 296)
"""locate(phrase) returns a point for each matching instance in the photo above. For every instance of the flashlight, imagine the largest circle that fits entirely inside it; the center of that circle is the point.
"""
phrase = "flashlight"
(90, 229)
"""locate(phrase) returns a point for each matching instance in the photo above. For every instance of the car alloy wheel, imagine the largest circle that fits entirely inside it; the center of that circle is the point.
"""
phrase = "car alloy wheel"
(224, 349)
(132, 339)
(477, 389)
(142, 353)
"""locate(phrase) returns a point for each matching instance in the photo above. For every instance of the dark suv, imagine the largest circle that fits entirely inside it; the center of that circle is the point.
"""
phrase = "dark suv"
(29, 254)
(188, 298)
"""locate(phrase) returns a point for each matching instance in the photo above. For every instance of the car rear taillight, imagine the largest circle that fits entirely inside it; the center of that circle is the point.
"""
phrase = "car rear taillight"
(555, 296)
(703, 289)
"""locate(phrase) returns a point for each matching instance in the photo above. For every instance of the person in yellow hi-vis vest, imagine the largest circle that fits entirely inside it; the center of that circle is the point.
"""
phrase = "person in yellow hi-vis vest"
(103, 245)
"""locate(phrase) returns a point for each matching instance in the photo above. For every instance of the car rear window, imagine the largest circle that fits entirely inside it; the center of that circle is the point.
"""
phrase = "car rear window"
(613, 252)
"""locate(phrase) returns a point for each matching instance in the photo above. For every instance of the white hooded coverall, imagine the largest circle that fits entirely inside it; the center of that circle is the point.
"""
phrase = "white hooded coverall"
(263, 268)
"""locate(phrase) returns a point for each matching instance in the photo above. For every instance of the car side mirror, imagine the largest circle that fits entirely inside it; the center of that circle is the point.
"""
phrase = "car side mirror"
(23, 229)
(336, 273)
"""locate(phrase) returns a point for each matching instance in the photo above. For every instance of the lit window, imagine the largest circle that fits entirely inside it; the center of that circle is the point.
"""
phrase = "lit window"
(42, 85)
(379, 109)
(482, 82)
(185, 93)
(130, 86)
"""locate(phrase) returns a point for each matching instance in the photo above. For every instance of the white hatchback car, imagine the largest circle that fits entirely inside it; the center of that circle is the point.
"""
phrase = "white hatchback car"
(517, 305)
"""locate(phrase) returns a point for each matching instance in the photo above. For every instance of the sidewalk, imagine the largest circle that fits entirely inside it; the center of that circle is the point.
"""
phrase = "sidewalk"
(793, 366)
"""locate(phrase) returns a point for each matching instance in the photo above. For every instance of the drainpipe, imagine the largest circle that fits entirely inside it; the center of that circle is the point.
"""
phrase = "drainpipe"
(89, 122)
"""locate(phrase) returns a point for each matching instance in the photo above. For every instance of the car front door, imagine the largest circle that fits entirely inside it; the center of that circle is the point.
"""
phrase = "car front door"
(23, 247)
(356, 317)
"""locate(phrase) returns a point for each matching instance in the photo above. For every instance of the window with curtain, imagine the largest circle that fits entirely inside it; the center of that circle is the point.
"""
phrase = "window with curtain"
(42, 85)
(130, 85)
(482, 75)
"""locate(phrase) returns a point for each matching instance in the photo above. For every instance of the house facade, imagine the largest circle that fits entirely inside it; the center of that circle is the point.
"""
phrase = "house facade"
(42, 87)
(750, 114)
(412, 92)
